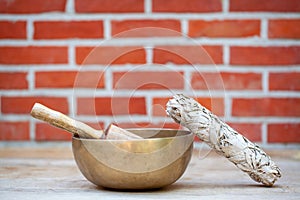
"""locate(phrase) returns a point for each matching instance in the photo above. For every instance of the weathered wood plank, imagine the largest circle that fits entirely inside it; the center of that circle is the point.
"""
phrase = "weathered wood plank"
(57, 177)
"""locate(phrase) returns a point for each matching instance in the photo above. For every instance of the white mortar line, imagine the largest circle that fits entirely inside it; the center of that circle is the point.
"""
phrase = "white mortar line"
(70, 7)
(264, 119)
(155, 67)
(264, 28)
(86, 92)
(108, 76)
(260, 94)
(226, 54)
(125, 16)
(185, 27)
(187, 80)
(149, 110)
(16, 117)
(227, 107)
(53, 67)
(225, 5)
(251, 41)
(31, 80)
(281, 146)
(264, 132)
(107, 29)
(72, 105)
(30, 30)
(32, 129)
(24, 67)
(71, 56)
(38, 92)
(265, 82)
(164, 93)
(148, 6)
(149, 54)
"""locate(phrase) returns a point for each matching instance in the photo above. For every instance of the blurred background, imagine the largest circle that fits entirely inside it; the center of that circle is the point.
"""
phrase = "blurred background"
(104, 61)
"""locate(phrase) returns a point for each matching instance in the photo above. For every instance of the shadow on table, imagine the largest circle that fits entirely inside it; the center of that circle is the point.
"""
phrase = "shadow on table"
(193, 186)
(185, 186)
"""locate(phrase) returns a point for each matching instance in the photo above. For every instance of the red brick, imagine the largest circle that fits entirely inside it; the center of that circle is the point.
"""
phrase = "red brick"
(110, 55)
(265, 55)
(281, 107)
(284, 133)
(33, 55)
(188, 54)
(96, 125)
(249, 130)
(159, 106)
(187, 6)
(69, 79)
(109, 6)
(146, 28)
(148, 80)
(112, 106)
(23, 105)
(284, 81)
(14, 130)
(31, 6)
(265, 5)
(68, 29)
(224, 28)
(284, 28)
(216, 105)
(46, 132)
(227, 81)
(13, 80)
(13, 30)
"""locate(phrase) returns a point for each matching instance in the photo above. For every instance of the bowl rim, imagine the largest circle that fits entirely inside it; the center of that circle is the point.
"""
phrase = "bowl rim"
(188, 133)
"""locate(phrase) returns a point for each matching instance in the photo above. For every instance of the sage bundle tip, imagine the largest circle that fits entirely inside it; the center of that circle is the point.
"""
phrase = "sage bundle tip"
(246, 155)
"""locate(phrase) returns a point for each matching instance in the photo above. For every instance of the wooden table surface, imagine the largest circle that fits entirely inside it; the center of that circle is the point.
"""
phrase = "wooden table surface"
(51, 173)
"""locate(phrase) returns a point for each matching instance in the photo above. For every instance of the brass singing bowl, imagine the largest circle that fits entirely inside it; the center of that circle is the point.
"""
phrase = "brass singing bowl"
(154, 162)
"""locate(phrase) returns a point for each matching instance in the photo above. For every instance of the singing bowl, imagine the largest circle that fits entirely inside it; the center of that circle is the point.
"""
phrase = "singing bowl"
(156, 161)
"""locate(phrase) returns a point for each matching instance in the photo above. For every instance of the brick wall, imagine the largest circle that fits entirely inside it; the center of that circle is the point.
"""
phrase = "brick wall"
(103, 61)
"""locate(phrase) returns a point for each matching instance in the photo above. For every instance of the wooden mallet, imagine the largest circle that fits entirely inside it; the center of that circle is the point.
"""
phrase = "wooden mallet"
(81, 129)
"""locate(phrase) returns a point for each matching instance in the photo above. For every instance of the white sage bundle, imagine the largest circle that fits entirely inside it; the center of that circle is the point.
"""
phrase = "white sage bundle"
(246, 155)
